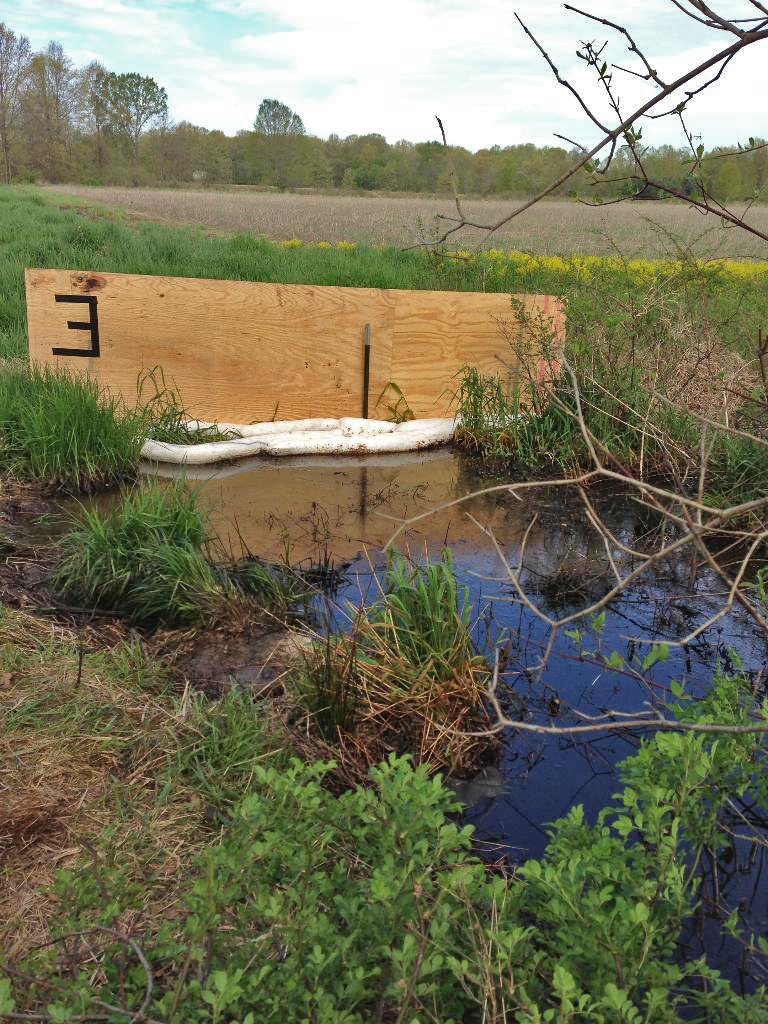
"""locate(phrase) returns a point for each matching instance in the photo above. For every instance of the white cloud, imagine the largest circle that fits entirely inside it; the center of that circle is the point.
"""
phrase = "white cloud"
(353, 68)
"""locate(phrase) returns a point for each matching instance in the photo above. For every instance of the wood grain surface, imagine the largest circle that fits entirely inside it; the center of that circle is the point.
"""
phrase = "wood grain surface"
(244, 352)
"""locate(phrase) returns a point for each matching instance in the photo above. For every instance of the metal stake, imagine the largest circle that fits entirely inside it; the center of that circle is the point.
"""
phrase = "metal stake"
(366, 367)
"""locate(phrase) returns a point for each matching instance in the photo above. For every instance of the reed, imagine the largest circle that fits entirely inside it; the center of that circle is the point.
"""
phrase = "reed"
(528, 429)
(423, 615)
(328, 684)
(406, 677)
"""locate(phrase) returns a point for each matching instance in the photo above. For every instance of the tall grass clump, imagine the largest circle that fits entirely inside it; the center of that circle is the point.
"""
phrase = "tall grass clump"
(328, 683)
(68, 432)
(407, 676)
(148, 557)
(423, 616)
(526, 429)
(143, 558)
(65, 430)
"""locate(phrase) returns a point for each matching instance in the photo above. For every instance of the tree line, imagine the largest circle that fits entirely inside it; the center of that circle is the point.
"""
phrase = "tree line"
(61, 123)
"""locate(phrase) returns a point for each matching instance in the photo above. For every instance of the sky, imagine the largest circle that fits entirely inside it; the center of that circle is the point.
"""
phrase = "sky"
(352, 67)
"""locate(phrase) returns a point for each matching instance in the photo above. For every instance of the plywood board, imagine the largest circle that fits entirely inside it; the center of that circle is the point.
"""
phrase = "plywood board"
(438, 333)
(243, 352)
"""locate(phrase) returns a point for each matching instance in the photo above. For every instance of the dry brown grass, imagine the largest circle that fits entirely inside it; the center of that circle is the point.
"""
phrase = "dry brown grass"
(554, 227)
(79, 751)
(436, 713)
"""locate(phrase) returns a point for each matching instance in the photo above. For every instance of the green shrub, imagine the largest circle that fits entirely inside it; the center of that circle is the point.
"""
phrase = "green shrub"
(370, 905)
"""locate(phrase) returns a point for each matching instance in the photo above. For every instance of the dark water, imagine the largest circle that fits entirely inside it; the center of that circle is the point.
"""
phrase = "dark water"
(342, 513)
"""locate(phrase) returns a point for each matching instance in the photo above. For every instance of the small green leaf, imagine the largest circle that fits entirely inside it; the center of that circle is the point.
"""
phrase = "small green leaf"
(7, 1003)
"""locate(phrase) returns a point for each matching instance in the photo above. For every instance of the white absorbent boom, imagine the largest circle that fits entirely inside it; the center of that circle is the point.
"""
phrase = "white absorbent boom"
(346, 436)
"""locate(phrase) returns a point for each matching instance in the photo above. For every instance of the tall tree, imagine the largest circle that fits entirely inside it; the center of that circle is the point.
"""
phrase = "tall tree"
(137, 102)
(14, 67)
(280, 133)
(96, 106)
(275, 119)
(50, 108)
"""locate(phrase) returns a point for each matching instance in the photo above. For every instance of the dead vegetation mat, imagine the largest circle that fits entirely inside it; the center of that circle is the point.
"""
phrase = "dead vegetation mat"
(82, 749)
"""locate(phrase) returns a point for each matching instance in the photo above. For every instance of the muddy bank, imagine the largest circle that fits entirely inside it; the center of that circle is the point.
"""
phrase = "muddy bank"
(245, 654)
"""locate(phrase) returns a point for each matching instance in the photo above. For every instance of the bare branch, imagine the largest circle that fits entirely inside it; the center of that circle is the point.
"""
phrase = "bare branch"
(697, 10)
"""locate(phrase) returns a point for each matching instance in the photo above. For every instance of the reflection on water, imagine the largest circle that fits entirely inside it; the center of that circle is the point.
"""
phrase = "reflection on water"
(316, 509)
(311, 506)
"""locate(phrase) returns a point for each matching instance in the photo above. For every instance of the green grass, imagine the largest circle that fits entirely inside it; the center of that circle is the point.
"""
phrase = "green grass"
(327, 684)
(68, 432)
(35, 232)
(65, 430)
(143, 558)
(227, 742)
(148, 558)
(625, 321)
(104, 742)
(423, 616)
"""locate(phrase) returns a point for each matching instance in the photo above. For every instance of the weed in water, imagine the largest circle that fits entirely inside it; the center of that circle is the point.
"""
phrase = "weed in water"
(419, 684)
(276, 588)
(525, 428)
(148, 558)
(328, 684)
(143, 558)
(423, 615)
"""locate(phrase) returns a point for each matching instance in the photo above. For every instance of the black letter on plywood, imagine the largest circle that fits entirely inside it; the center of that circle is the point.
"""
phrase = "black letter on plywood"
(92, 325)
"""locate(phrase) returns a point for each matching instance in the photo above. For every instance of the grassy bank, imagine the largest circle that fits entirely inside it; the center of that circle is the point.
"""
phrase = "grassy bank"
(174, 859)
(68, 433)
(209, 877)
(35, 232)
(150, 558)
(682, 327)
